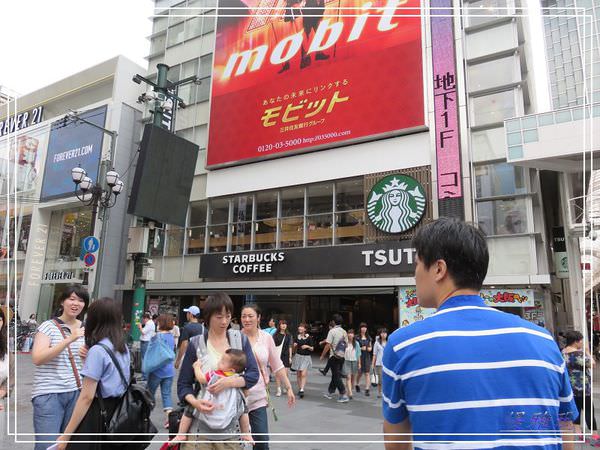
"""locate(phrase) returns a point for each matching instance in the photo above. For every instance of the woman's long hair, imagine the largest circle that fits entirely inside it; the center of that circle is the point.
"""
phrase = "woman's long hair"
(3, 335)
(387, 207)
(104, 320)
(281, 322)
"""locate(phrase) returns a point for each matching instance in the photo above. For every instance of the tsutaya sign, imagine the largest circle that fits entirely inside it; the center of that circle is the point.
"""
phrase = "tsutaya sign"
(389, 257)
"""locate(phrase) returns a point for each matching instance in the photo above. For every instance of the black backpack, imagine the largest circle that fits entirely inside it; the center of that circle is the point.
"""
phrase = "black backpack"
(130, 420)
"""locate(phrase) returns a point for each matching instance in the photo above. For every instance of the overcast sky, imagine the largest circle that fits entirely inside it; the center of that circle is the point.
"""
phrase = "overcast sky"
(44, 41)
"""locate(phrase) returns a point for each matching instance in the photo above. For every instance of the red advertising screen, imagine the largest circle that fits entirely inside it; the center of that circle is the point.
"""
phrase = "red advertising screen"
(293, 76)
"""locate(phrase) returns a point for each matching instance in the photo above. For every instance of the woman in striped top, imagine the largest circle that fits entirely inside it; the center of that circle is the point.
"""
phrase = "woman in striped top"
(56, 356)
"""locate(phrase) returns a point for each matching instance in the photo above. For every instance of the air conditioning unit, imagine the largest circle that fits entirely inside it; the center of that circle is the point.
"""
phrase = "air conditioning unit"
(138, 240)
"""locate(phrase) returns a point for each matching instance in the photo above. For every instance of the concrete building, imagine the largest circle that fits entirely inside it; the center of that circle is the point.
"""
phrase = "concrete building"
(43, 223)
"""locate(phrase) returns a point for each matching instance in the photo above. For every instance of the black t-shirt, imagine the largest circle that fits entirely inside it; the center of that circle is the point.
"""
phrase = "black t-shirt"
(190, 330)
(303, 341)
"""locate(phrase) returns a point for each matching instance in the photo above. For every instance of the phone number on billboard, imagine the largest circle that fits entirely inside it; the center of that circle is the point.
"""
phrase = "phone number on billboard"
(295, 142)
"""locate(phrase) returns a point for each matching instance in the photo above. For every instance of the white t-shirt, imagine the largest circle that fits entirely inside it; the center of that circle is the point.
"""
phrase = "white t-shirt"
(378, 353)
(148, 331)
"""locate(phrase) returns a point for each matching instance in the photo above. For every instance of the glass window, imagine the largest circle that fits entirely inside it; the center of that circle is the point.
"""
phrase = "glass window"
(160, 24)
(203, 91)
(491, 40)
(175, 237)
(320, 198)
(197, 214)
(487, 10)
(157, 44)
(196, 240)
(265, 234)
(205, 66)
(217, 238)
(242, 208)
(493, 108)
(266, 205)
(510, 256)
(188, 91)
(209, 22)
(292, 202)
(350, 227)
(349, 195)
(175, 34)
(291, 232)
(241, 236)
(156, 242)
(174, 73)
(193, 27)
(76, 225)
(219, 211)
(488, 144)
(494, 73)
(319, 230)
(499, 179)
(503, 216)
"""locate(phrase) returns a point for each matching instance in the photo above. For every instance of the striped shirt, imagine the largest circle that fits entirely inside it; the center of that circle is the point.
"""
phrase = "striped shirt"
(470, 368)
(56, 376)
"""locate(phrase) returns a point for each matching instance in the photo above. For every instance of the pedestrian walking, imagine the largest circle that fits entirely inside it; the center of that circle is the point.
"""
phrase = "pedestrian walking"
(176, 332)
(192, 328)
(380, 343)
(366, 347)
(325, 369)
(283, 342)
(271, 328)
(352, 362)
(163, 376)
(579, 365)
(103, 336)
(57, 380)
(210, 347)
(6, 367)
(258, 400)
(469, 376)
(148, 330)
(335, 349)
(302, 360)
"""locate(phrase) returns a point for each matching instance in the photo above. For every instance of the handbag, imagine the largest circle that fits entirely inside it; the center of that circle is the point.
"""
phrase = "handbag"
(131, 417)
(266, 381)
(374, 378)
(158, 354)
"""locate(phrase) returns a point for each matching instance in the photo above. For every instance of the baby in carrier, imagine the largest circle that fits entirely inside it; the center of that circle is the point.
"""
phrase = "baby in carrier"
(230, 404)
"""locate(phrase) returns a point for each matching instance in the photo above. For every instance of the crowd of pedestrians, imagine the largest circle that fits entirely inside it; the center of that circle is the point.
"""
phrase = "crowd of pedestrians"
(447, 370)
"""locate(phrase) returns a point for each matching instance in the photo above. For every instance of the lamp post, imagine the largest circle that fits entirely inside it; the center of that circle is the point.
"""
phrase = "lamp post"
(100, 195)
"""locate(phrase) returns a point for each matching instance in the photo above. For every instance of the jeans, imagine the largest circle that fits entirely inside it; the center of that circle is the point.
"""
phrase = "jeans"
(51, 414)
(143, 348)
(165, 389)
(336, 365)
(259, 423)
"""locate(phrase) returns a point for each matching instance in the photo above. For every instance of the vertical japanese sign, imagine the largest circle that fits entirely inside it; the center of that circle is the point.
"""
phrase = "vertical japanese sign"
(297, 76)
(447, 137)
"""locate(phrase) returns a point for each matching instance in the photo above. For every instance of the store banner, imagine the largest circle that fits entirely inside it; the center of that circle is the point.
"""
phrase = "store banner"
(559, 247)
(72, 144)
(299, 76)
(410, 310)
(505, 298)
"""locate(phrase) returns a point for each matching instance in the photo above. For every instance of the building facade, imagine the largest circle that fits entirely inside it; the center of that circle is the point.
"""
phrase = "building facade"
(296, 232)
(42, 221)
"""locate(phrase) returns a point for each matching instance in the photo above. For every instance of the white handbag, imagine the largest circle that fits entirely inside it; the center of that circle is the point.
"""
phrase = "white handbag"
(374, 378)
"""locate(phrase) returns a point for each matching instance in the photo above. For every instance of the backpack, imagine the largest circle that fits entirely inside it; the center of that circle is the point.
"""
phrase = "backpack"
(131, 419)
(340, 347)
(157, 355)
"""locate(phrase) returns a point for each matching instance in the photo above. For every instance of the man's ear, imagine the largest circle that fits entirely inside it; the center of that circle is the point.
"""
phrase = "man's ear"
(441, 270)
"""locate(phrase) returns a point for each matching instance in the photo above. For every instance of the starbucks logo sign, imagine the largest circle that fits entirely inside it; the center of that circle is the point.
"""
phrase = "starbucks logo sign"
(396, 203)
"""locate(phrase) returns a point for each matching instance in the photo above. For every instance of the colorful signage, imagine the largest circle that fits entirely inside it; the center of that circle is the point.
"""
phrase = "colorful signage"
(410, 310)
(396, 203)
(520, 298)
(72, 144)
(290, 79)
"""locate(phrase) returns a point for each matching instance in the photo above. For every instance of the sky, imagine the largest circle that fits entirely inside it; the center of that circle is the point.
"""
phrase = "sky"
(47, 40)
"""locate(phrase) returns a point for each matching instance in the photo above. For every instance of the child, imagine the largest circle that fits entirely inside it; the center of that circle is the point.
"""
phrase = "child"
(230, 405)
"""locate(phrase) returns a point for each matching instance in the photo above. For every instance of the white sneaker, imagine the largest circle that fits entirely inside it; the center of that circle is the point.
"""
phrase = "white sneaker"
(328, 395)
(278, 393)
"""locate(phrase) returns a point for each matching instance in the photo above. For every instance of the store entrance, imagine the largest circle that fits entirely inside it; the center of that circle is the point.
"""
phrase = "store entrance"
(377, 310)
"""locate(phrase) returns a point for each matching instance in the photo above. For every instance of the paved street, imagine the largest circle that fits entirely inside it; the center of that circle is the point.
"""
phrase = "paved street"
(313, 414)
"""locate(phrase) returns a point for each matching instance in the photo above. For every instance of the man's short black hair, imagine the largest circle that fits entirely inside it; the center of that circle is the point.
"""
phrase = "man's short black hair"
(460, 245)
(337, 318)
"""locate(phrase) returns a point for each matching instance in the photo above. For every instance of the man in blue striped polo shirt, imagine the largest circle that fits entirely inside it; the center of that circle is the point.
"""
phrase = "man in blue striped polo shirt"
(470, 376)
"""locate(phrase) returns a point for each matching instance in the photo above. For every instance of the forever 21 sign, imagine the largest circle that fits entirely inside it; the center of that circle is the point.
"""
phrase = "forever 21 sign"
(388, 257)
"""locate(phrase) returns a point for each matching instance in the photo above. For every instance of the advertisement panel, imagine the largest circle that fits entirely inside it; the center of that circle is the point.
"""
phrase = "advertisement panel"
(72, 144)
(297, 76)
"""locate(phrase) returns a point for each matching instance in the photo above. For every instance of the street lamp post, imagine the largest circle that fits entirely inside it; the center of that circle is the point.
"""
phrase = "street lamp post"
(100, 195)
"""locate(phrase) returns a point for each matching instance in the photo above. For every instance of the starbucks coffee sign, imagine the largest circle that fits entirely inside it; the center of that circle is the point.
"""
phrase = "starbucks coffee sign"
(396, 203)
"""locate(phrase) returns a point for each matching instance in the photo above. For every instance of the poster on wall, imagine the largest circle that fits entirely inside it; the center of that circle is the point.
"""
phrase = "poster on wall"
(505, 298)
(302, 76)
(535, 314)
(72, 144)
(410, 311)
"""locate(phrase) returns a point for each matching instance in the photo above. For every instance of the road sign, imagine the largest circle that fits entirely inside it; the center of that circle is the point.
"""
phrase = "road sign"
(91, 244)
(89, 259)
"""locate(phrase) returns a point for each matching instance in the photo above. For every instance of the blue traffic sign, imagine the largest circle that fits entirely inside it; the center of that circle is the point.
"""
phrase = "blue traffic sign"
(89, 259)
(91, 244)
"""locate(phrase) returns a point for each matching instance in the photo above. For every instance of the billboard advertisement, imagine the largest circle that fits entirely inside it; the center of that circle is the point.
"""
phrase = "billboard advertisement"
(72, 144)
(296, 76)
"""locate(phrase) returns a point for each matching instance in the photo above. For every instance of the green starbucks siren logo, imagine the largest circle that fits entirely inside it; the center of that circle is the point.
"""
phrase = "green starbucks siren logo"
(396, 203)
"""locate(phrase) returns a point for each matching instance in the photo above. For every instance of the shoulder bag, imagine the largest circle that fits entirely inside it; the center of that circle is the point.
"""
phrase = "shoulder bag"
(71, 358)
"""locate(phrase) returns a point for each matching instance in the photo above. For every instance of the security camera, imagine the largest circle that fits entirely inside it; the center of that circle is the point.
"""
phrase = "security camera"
(136, 79)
